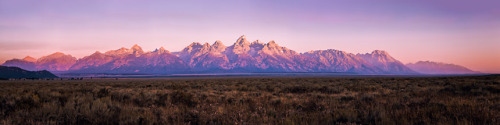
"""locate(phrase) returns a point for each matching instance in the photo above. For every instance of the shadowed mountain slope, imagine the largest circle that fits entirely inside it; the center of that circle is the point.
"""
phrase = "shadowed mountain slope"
(16, 73)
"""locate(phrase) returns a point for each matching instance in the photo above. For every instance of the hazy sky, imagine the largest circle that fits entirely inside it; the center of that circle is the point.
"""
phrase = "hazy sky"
(464, 32)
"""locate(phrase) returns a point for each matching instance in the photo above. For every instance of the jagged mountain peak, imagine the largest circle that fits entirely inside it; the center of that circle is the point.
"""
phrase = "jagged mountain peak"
(327, 51)
(218, 46)
(206, 45)
(274, 49)
(272, 44)
(257, 42)
(334, 50)
(242, 37)
(191, 47)
(161, 50)
(137, 49)
(386, 62)
(118, 52)
(218, 43)
(56, 62)
(257, 45)
(197, 45)
(379, 55)
(241, 46)
(242, 41)
(379, 52)
(340, 61)
(194, 44)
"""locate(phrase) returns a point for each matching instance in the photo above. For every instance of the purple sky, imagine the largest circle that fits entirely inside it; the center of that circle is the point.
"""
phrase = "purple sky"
(461, 32)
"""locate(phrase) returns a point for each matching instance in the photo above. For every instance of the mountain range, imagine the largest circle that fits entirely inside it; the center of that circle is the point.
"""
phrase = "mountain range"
(241, 57)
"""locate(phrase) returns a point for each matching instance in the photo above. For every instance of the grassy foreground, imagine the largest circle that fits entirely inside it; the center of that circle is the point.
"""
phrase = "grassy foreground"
(432, 100)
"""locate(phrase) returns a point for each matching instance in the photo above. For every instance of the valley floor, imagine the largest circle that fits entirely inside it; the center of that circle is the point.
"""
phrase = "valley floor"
(258, 100)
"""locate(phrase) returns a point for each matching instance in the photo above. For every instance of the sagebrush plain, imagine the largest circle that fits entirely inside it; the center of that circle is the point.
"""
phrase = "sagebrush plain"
(347, 100)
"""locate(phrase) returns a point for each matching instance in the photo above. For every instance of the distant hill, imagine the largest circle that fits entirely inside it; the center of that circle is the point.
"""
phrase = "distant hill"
(15, 72)
(428, 67)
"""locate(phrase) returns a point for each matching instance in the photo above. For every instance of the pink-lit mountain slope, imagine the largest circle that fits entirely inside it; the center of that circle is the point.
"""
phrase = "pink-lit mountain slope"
(54, 62)
(243, 57)
(340, 61)
(382, 60)
(133, 60)
(27, 63)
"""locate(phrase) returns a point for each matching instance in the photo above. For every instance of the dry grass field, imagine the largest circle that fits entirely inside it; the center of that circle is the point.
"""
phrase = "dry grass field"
(354, 100)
